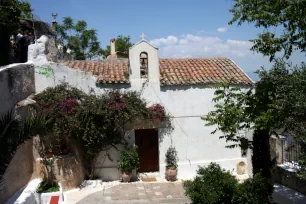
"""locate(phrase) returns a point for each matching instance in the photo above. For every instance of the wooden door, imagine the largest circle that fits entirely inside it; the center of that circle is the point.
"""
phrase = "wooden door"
(147, 143)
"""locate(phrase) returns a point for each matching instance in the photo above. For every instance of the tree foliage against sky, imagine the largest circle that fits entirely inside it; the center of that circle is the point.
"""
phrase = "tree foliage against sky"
(11, 12)
(122, 45)
(289, 15)
(81, 41)
(275, 102)
(284, 85)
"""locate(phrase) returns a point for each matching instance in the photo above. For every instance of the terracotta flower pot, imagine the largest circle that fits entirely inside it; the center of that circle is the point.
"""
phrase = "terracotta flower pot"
(171, 173)
(126, 176)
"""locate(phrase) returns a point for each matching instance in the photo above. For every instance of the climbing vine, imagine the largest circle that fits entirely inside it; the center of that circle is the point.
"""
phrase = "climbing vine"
(97, 121)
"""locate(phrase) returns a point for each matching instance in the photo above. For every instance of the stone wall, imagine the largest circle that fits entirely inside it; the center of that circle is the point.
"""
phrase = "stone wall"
(67, 170)
(16, 84)
(19, 172)
(288, 178)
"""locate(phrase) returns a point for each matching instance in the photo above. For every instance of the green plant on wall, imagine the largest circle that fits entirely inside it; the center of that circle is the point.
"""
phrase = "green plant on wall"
(98, 121)
(44, 71)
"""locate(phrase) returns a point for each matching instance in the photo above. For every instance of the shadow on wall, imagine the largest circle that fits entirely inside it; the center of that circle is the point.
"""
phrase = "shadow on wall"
(199, 86)
(184, 87)
(113, 86)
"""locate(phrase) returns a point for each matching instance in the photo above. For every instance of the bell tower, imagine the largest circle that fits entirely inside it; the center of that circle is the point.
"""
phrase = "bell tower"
(144, 61)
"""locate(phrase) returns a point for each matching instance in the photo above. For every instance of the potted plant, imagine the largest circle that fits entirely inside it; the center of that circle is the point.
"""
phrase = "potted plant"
(171, 164)
(128, 162)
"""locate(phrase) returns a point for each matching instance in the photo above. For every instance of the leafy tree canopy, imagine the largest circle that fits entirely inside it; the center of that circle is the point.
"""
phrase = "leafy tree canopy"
(122, 45)
(12, 12)
(277, 101)
(81, 41)
(286, 14)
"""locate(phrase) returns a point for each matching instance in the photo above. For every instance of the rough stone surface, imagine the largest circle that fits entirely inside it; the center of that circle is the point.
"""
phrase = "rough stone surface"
(68, 171)
(36, 52)
(51, 50)
(16, 84)
(41, 28)
(19, 172)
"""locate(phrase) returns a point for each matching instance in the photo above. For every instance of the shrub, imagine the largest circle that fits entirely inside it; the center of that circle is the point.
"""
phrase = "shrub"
(215, 185)
(46, 187)
(254, 190)
(211, 185)
(171, 158)
(129, 159)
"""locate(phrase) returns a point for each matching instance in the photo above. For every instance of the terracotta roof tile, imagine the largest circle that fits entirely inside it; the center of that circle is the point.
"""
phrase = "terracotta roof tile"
(112, 71)
(201, 71)
(185, 71)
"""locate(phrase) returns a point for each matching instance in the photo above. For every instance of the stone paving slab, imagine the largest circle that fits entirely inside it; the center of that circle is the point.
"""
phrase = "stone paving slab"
(139, 193)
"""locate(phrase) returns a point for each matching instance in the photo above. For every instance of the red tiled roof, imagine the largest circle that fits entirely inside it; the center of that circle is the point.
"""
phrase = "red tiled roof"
(184, 71)
(189, 71)
(110, 71)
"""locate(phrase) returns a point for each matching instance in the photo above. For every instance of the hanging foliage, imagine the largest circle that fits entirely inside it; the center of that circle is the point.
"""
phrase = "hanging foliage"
(98, 121)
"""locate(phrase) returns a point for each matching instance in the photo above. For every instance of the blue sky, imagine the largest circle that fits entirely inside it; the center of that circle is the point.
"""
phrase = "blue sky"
(179, 28)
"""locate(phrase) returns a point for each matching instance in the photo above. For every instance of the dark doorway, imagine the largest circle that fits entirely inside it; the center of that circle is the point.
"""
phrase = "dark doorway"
(147, 143)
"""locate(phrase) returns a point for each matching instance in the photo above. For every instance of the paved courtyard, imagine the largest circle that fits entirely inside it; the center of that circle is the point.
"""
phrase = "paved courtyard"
(139, 193)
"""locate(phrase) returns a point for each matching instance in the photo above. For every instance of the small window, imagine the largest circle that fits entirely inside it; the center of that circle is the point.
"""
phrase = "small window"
(143, 65)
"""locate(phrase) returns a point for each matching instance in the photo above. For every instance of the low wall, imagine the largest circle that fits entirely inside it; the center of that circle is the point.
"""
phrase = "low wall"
(289, 179)
(16, 84)
(68, 171)
(19, 172)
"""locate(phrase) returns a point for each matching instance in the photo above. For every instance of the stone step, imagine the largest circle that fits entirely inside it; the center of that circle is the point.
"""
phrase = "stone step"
(149, 175)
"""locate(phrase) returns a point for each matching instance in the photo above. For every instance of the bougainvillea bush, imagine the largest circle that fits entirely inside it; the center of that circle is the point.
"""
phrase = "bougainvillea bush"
(60, 106)
(98, 121)
(157, 113)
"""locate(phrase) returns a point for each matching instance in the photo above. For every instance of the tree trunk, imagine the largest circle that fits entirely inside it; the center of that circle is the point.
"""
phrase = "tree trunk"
(261, 158)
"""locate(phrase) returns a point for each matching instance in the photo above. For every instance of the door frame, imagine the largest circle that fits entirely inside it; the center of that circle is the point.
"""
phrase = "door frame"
(158, 145)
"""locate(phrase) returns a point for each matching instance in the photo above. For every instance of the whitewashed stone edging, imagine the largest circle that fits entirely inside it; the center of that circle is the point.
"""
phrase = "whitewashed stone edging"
(27, 194)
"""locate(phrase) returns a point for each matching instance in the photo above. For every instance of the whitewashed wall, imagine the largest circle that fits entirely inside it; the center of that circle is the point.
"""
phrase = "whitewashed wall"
(192, 139)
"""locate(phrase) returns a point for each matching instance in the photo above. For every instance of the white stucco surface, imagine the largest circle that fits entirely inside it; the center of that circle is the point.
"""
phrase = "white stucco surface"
(36, 51)
(187, 104)
(25, 195)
